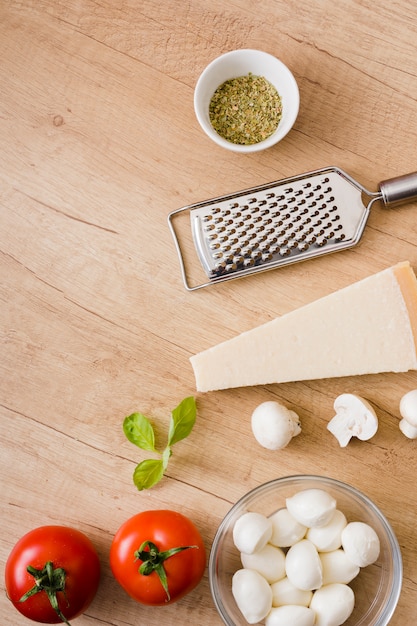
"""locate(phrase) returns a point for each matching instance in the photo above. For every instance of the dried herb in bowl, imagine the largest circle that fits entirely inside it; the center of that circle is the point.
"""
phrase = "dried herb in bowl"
(245, 110)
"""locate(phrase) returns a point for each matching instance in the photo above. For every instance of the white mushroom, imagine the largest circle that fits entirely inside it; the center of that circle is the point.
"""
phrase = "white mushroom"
(253, 595)
(354, 417)
(407, 429)
(408, 411)
(274, 425)
(251, 532)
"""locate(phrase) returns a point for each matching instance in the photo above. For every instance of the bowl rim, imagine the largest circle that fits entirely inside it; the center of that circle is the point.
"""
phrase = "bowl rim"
(397, 562)
(280, 132)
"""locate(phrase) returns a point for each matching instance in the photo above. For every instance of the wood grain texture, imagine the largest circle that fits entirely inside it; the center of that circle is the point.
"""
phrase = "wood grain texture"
(98, 143)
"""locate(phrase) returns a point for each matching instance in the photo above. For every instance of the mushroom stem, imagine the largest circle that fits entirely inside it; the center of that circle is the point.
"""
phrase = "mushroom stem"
(408, 429)
(354, 417)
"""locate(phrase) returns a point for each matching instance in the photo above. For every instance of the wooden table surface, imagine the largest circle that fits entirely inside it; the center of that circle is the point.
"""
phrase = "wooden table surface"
(98, 143)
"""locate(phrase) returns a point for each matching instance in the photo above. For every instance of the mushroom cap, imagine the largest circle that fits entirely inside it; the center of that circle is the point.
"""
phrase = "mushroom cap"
(355, 417)
(273, 425)
(408, 407)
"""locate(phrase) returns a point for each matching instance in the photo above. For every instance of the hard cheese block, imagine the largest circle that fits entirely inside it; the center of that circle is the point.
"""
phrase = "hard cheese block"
(365, 328)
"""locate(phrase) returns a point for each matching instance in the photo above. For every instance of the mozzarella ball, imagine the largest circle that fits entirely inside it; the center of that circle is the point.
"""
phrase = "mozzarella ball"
(291, 615)
(303, 566)
(360, 543)
(312, 507)
(253, 595)
(251, 532)
(284, 592)
(297, 564)
(329, 536)
(286, 531)
(269, 562)
(337, 567)
(332, 604)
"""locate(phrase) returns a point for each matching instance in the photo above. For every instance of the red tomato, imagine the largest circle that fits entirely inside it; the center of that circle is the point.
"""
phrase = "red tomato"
(145, 561)
(51, 549)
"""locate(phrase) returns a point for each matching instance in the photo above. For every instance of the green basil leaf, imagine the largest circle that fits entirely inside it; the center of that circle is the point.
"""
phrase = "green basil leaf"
(139, 431)
(148, 473)
(182, 420)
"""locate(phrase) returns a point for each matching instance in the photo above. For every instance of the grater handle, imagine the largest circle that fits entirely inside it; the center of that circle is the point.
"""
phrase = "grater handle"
(395, 191)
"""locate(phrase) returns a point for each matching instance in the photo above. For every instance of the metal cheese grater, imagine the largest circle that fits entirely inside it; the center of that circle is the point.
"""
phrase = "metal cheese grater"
(277, 224)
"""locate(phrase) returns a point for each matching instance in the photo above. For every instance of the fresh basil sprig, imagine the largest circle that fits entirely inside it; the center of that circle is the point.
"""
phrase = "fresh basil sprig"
(138, 429)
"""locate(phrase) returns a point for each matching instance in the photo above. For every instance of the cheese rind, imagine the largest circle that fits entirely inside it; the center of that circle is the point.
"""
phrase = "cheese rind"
(365, 328)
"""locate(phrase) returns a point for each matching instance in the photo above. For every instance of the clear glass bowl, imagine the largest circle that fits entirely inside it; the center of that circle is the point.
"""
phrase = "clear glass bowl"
(377, 587)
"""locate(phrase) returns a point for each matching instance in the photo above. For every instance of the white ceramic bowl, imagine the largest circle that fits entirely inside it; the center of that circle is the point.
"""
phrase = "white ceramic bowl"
(377, 587)
(240, 63)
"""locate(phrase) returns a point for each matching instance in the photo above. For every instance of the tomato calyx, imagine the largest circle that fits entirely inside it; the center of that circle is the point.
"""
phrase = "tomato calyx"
(153, 561)
(50, 580)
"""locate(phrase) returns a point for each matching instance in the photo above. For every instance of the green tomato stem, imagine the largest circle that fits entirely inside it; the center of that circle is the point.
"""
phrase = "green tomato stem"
(49, 580)
(153, 560)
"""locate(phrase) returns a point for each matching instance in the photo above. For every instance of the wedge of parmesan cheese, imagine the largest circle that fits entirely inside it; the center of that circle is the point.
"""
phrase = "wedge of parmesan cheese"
(366, 328)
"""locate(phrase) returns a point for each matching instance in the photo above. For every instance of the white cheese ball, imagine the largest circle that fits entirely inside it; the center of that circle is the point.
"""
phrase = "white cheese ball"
(251, 532)
(269, 562)
(286, 531)
(291, 615)
(303, 566)
(284, 592)
(332, 604)
(360, 543)
(308, 583)
(312, 507)
(337, 567)
(253, 595)
(329, 536)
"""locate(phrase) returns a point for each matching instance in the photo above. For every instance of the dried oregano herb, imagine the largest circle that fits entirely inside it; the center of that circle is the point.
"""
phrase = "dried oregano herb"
(245, 110)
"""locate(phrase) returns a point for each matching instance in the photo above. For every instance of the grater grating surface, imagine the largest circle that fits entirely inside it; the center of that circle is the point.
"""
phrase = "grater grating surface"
(280, 223)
